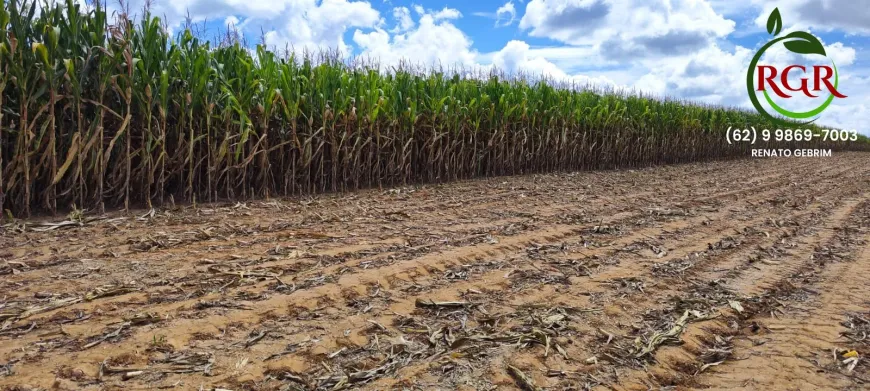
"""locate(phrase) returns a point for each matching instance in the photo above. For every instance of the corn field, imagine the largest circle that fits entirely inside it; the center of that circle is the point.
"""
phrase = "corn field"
(98, 109)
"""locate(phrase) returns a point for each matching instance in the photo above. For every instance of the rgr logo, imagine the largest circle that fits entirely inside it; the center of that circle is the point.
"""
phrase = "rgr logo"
(822, 75)
(815, 81)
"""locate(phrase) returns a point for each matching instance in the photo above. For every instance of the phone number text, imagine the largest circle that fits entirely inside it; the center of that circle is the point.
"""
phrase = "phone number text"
(752, 135)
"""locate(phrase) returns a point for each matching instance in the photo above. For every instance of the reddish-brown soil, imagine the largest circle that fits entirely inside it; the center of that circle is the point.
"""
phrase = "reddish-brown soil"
(749, 274)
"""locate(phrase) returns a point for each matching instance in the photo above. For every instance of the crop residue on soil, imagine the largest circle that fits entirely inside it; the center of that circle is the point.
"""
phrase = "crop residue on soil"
(734, 275)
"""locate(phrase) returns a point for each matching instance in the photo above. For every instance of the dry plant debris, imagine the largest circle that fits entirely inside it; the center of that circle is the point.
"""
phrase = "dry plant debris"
(548, 282)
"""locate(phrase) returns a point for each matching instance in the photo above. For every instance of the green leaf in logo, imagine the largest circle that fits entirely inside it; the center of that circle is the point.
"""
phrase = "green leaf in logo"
(804, 43)
(774, 22)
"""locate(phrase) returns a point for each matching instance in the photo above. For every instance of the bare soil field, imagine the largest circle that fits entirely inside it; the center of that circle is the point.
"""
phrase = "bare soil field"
(749, 274)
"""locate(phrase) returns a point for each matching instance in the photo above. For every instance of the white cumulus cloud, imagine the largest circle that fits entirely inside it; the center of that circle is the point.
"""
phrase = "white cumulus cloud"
(303, 24)
(850, 16)
(404, 22)
(517, 57)
(628, 29)
(434, 41)
(506, 14)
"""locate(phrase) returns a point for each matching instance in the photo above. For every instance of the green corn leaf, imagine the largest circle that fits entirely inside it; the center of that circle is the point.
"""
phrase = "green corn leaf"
(40, 50)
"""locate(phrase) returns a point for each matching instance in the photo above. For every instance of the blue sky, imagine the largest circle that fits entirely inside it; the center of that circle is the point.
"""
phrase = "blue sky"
(692, 49)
